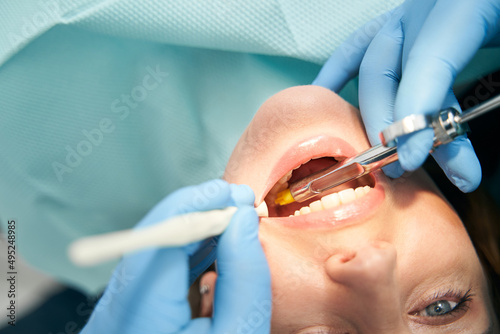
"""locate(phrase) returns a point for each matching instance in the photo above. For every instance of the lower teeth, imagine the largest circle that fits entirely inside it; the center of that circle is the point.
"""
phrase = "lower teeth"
(333, 200)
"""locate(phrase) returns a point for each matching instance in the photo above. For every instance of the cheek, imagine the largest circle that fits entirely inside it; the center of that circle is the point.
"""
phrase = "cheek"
(293, 267)
(251, 160)
(291, 279)
(433, 242)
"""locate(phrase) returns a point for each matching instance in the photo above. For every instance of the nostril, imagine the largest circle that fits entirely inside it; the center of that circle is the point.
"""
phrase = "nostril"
(369, 266)
(343, 257)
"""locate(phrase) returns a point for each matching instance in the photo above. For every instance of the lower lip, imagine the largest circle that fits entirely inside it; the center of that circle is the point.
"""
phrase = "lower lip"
(342, 215)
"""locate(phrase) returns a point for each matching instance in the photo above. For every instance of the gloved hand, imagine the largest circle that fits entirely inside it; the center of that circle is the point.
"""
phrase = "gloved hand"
(408, 60)
(148, 290)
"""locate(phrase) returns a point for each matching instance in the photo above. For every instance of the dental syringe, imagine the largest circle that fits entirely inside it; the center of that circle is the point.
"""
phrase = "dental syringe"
(447, 125)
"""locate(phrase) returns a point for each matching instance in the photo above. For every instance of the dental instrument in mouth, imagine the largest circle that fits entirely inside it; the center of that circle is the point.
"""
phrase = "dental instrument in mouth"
(447, 125)
(175, 231)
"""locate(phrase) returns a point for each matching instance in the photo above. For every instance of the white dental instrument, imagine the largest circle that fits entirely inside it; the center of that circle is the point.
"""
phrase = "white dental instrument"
(447, 125)
(175, 231)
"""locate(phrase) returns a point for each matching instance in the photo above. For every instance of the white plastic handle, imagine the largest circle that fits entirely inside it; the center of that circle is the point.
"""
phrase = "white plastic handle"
(176, 231)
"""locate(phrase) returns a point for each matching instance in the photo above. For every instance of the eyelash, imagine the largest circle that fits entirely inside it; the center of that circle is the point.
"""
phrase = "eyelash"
(462, 299)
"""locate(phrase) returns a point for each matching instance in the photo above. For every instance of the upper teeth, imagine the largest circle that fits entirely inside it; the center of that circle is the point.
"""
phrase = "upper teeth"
(285, 178)
(302, 164)
(333, 200)
(281, 185)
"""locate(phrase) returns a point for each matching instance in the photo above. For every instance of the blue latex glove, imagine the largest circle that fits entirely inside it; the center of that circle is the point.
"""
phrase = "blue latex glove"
(148, 290)
(408, 60)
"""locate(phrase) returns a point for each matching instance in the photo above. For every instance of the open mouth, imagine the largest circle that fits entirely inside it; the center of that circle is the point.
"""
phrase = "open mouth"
(330, 200)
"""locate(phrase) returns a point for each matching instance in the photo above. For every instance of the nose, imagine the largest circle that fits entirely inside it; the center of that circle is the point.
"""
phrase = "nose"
(368, 277)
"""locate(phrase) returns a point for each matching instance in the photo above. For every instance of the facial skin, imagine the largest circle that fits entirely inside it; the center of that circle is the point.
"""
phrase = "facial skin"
(373, 265)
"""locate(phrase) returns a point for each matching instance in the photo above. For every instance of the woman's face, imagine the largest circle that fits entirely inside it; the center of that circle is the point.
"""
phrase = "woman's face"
(393, 259)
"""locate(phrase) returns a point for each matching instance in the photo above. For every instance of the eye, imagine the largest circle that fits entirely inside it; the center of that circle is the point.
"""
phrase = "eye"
(443, 308)
(440, 307)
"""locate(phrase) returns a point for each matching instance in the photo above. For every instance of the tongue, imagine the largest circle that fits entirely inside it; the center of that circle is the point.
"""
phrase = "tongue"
(311, 167)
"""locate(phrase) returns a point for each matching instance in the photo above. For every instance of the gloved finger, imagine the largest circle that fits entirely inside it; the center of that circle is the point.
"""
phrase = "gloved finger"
(162, 287)
(243, 289)
(206, 253)
(457, 159)
(379, 76)
(447, 41)
(451, 158)
(343, 64)
(146, 294)
(242, 194)
(214, 194)
(148, 290)
(412, 156)
(199, 325)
